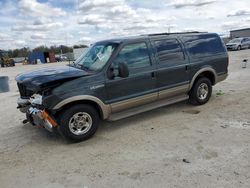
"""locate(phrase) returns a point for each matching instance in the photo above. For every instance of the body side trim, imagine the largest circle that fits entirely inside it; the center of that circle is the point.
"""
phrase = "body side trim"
(144, 99)
(173, 91)
(129, 103)
(104, 108)
(146, 107)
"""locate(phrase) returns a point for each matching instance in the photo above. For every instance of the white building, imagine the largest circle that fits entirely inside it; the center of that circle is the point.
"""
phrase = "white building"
(78, 52)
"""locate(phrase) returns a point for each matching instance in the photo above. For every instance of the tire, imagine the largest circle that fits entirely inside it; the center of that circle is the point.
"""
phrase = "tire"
(79, 122)
(239, 48)
(201, 91)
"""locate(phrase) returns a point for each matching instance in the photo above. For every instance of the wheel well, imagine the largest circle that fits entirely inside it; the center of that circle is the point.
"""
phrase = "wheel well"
(208, 75)
(91, 103)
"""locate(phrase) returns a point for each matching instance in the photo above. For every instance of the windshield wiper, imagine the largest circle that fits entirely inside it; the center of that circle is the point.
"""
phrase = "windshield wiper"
(85, 68)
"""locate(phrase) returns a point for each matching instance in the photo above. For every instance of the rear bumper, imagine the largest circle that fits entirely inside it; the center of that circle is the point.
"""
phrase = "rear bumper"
(41, 118)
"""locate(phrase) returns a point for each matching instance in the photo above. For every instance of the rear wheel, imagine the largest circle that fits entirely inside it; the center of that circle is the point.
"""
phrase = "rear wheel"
(79, 122)
(201, 91)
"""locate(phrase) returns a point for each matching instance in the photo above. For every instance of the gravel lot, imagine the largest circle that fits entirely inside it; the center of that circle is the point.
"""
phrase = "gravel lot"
(146, 150)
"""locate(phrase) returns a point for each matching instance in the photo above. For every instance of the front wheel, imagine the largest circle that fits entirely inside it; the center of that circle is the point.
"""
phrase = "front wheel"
(239, 48)
(201, 91)
(79, 122)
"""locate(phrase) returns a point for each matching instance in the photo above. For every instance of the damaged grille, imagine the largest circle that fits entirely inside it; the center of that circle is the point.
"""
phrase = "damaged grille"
(24, 93)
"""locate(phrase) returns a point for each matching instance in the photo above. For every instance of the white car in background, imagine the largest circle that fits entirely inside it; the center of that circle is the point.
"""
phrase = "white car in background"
(239, 43)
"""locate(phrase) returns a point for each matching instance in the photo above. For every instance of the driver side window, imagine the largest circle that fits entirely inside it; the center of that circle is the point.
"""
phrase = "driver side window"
(136, 56)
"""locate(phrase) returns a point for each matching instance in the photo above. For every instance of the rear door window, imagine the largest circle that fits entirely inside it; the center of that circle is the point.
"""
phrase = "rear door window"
(169, 51)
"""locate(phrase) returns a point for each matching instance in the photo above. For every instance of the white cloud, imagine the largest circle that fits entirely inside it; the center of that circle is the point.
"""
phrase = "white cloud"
(68, 22)
(190, 3)
(92, 19)
(5, 37)
(240, 13)
(87, 5)
(36, 9)
(38, 36)
(37, 27)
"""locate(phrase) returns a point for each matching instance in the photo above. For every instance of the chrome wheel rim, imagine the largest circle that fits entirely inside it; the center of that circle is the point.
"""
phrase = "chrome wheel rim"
(80, 123)
(202, 91)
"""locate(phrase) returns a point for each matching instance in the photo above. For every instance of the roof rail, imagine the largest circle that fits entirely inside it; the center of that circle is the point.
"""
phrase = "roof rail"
(157, 34)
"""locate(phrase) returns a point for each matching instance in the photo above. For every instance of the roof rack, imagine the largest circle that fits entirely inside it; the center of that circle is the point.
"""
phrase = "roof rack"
(157, 34)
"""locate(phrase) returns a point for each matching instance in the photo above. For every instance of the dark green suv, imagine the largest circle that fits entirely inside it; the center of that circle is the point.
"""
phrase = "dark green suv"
(118, 78)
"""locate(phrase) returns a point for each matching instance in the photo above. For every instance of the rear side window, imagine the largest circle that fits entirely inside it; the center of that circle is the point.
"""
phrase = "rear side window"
(202, 45)
(135, 55)
(169, 51)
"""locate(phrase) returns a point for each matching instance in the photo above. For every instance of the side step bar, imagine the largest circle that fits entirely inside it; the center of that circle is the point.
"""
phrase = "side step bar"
(147, 107)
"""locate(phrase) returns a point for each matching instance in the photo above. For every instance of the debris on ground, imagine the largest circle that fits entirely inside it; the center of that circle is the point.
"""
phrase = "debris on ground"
(186, 161)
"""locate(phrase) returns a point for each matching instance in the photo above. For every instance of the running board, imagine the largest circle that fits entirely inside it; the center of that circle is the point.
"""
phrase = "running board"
(146, 107)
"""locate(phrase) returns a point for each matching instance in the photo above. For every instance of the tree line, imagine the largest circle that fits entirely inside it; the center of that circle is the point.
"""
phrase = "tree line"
(24, 52)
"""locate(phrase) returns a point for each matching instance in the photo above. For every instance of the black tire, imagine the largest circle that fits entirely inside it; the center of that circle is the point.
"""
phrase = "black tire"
(239, 48)
(66, 116)
(194, 97)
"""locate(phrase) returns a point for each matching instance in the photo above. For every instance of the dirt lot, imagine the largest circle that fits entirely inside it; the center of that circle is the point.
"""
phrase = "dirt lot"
(146, 150)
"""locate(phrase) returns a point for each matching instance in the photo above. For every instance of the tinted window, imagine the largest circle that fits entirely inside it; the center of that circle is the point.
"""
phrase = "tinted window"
(169, 51)
(201, 45)
(135, 55)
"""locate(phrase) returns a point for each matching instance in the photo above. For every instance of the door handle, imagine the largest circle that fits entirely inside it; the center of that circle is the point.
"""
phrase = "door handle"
(152, 74)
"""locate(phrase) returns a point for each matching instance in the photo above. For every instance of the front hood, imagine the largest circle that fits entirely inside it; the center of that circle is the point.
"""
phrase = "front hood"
(45, 77)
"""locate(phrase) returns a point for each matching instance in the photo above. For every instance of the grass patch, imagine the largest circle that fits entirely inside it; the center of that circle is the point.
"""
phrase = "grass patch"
(219, 93)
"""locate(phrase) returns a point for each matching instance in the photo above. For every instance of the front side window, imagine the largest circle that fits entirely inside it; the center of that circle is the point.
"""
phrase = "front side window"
(96, 56)
(134, 55)
(235, 41)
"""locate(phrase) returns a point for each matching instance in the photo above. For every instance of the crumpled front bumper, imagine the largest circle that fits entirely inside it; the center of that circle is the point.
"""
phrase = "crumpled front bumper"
(41, 118)
(35, 115)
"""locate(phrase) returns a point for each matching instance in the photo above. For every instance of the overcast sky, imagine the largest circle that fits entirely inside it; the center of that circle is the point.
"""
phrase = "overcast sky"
(29, 23)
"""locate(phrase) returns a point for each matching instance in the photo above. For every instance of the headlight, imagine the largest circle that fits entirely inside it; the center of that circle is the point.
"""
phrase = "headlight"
(36, 99)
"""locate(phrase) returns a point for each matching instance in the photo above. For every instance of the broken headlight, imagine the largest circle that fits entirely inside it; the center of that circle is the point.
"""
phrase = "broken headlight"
(36, 99)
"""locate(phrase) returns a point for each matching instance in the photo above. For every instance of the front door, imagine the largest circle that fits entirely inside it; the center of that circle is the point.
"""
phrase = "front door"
(140, 86)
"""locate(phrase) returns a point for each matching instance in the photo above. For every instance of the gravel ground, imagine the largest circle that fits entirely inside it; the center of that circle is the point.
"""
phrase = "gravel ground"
(174, 146)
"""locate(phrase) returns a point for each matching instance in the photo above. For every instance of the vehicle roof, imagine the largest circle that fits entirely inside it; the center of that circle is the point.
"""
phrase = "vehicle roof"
(146, 36)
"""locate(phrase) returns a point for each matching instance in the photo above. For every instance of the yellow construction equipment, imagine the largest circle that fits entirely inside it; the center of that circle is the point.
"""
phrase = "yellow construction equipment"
(5, 60)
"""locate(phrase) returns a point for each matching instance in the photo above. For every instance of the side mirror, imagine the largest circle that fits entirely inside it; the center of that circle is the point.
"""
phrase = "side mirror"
(123, 71)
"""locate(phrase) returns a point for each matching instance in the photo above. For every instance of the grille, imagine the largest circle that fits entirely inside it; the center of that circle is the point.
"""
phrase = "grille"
(23, 91)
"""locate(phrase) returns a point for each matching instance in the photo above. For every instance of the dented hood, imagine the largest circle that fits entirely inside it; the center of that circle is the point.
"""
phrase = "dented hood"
(46, 77)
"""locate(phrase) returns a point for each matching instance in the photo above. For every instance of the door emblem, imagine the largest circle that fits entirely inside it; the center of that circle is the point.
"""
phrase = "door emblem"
(96, 87)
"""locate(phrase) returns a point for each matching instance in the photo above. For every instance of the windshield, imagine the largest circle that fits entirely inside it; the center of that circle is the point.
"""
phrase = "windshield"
(95, 57)
(235, 41)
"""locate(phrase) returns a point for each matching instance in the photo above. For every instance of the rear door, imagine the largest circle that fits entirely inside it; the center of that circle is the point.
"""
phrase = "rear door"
(140, 86)
(245, 43)
(172, 67)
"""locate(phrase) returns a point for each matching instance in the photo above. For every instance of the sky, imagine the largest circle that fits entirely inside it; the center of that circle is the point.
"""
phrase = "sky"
(30, 23)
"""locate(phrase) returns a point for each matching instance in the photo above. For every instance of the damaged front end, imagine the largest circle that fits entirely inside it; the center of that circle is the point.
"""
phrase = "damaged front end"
(35, 86)
(36, 114)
